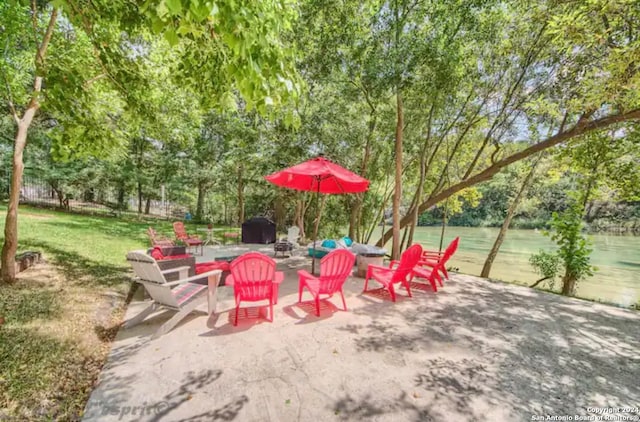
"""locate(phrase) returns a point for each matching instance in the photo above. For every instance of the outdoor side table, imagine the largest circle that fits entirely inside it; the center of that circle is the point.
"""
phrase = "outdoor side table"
(364, 260)
(367, 255)
(212, 291)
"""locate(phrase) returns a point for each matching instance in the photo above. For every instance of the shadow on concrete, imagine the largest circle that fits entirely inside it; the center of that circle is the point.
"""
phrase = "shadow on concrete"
(534, 352)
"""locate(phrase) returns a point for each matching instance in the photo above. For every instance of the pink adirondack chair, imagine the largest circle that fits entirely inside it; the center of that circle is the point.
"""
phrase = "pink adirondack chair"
(401, 274)
(254, 278)
(334, 270)
(189, 240)
(434, 263)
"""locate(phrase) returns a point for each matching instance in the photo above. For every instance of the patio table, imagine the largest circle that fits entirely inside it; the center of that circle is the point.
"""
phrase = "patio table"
(210, 240)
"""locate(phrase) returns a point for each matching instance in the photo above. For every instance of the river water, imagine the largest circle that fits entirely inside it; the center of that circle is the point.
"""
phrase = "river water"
(617, 258)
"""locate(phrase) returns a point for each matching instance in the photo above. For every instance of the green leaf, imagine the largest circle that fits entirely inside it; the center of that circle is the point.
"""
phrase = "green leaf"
(162, 10)
(228, 102)
(171, 36)
(174, 6)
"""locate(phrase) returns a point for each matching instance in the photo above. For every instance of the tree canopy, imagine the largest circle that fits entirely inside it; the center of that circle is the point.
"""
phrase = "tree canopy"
(205, 97)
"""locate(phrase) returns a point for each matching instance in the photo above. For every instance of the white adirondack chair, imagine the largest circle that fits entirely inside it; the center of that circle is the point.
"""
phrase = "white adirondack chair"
(181, 295)
(292, 236)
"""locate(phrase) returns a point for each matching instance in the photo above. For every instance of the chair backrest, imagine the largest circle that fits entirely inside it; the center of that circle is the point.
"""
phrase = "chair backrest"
(293, 234)
(451, 249)
(253, 274)
(179, 230)
(408, 260)
(335, 267)
(154, 237)
(146, 269)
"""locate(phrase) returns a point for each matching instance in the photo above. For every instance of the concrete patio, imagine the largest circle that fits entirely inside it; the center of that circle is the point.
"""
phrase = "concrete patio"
(475, 350)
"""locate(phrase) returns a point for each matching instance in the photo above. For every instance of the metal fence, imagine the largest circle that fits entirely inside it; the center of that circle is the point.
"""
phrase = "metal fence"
(89, 198)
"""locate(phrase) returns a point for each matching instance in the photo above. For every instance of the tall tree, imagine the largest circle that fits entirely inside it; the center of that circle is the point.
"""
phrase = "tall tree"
(15, 15)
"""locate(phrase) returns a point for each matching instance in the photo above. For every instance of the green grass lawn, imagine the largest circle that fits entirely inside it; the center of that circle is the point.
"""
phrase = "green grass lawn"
(60, 316)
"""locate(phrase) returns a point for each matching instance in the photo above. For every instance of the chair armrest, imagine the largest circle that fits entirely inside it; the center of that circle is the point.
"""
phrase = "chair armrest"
(372, 267)
(304, 275)
(379, 267)
(430, 251)
(167, 264)
(202, 276)
(153, 283)
(393, 263)
(279, 277)
(173, 270)
(427, 263)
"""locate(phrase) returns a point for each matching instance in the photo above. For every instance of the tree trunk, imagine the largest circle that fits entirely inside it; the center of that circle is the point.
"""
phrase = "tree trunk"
(280, 212)
(581, 128)
(200, 201)
(568, 285)
(121, 195)
(147, 206)
(240, 196)
(140, 199)
(397, 195)
(356, 210)
(8, 270)
(10, 246)
(353, 219)
(298, 219)
(316, 224)
(418, 197)
(57, 193)
(486, 269)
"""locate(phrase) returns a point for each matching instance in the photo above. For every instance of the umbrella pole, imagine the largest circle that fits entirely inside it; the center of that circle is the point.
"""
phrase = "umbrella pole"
(315, 229)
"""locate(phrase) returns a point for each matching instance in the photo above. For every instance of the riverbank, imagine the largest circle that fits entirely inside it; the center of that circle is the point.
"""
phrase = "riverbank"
(617, 280)
(597, 226)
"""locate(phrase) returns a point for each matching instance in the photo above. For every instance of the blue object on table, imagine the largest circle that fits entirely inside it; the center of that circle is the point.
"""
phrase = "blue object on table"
(347, 241)
(329, 243)
(318, 253)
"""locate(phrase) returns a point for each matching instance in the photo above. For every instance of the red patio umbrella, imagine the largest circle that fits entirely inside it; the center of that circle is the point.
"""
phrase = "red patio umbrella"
(321, 176)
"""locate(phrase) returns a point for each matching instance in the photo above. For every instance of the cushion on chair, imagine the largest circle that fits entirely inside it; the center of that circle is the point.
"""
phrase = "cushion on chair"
(210, 266)
(157, 254)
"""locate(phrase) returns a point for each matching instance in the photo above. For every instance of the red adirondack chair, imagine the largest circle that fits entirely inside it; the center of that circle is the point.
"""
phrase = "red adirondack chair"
(433, 263)
(401, 274)
(158, 240)
(334, 270)
(254, 278)
(189, 240)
